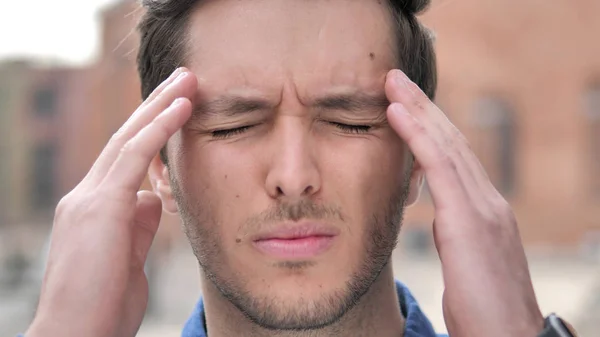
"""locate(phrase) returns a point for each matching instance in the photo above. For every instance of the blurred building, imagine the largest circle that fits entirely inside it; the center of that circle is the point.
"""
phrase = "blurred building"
(120, 92)
(44, 128)
(54, 121)
(521, 79)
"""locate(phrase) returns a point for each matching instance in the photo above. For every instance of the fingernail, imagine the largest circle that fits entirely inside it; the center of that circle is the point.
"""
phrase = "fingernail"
(400, 77)
(398, 108)
(180, 76)
(176, 72)
(177, 102)
(403, 80)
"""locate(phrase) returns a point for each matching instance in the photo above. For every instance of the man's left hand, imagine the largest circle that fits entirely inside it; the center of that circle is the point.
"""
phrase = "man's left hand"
(488, 289)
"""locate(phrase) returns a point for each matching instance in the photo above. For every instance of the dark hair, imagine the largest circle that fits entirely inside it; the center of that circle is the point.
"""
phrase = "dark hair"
(163, 35)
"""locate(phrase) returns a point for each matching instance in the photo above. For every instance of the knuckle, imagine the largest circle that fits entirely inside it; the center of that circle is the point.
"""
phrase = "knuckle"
(446, 161)
(498, 218)
(118, 137)
(418, 104)
(489, 216)
(449, 143)
(459, 135)
(83, 206)
(460, 138)
(466, 143)
(419, 131)
(63, 206)
(504, 211)
(127, 148)
(74, 206)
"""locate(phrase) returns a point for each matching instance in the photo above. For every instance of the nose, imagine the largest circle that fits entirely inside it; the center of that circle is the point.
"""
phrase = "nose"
(293, 173)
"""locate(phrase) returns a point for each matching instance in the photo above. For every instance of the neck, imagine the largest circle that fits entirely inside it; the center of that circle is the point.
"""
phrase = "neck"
(376, 314)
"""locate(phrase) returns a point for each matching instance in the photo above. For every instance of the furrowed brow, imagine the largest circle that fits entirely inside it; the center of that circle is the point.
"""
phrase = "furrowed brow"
(355, 102)
(228, 106)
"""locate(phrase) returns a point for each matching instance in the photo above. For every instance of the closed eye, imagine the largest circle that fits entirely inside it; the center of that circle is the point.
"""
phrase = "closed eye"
(354, 129)
(347, 128)
(226, 133)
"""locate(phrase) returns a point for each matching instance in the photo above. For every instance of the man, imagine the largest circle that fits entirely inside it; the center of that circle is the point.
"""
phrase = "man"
(291, 144)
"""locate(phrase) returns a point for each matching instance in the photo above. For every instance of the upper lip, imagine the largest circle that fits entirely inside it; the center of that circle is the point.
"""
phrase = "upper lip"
(297, 231)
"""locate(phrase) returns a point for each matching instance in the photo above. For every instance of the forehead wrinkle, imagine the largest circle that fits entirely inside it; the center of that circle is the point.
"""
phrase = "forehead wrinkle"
(355, 102)
(228, 106)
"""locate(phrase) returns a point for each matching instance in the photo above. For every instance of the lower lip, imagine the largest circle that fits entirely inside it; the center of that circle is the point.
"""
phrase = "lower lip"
(309, 246)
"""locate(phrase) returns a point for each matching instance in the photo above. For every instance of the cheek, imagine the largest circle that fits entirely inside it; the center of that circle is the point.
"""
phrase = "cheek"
(364, 172)
(222, 182)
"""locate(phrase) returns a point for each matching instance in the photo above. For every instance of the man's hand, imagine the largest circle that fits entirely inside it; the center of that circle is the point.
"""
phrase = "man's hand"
(488, 290)
(95, 283)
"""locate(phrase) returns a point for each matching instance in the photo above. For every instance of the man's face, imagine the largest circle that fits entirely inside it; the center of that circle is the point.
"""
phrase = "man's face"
(288, 179)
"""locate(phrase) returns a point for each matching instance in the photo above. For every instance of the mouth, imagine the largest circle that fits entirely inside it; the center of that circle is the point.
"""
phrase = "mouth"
(299, 241)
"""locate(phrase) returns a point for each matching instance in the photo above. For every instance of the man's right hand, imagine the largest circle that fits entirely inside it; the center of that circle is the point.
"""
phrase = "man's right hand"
(94, 284)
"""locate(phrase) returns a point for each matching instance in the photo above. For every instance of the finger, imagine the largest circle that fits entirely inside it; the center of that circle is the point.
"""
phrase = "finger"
(440, 168)
(183, 85)
(131, 166)
(145, 225)
(98, 165)
(162, 87)
(399, 88)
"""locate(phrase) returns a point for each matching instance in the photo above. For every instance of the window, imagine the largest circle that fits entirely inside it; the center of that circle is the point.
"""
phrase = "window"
(592, 108)
(495, 143)
(44, 177)
(45, 102)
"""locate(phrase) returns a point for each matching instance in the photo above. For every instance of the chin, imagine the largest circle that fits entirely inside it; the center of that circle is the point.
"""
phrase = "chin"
(294, 296)
(304, 287)
(297, 305)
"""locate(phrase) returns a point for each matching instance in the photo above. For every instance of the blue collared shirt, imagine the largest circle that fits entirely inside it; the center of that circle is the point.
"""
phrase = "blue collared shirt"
(416, 325)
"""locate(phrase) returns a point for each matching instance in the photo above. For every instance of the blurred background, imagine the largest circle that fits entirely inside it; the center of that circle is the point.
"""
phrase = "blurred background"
(520, 78)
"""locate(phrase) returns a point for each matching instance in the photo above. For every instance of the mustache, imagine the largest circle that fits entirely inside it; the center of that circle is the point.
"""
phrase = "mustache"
(304, 209)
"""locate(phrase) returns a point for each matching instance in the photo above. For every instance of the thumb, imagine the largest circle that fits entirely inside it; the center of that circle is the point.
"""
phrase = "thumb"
(145, 225)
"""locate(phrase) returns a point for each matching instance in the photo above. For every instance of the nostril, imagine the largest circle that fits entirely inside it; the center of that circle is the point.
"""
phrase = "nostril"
(308, 190)
(279, 191)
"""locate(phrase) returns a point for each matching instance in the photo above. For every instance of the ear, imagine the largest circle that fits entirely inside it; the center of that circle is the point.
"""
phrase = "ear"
(417, 178)
(161, 184)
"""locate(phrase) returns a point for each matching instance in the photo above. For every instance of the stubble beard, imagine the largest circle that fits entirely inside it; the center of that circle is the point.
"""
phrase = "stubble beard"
(306, 314)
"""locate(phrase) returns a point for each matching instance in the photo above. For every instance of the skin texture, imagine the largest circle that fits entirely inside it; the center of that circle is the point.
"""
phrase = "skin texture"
(294, 164)
(488, 288)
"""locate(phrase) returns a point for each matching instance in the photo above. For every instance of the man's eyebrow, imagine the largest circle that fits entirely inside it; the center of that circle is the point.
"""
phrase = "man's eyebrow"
(355, 102)
(234, 105)
(228, 106)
